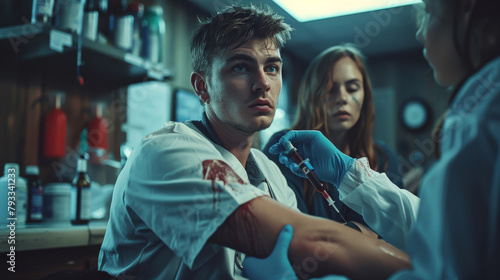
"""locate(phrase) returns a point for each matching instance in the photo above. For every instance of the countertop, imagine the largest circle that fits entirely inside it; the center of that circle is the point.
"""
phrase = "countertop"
(51, 235)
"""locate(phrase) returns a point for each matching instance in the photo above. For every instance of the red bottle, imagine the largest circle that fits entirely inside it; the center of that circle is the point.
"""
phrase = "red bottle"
(55, 132)
(97, 136)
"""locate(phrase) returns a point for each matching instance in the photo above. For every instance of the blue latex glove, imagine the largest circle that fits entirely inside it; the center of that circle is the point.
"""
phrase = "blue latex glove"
(329, 163)
(277, 266)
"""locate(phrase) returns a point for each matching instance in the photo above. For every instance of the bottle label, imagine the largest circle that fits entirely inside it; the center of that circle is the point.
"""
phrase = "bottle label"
(85, 211)
(36, 204)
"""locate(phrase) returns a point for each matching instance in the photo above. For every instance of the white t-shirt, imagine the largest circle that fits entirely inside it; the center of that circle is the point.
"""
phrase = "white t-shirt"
(175, 190)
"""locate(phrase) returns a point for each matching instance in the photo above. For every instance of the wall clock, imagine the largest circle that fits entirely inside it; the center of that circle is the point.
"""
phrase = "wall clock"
(415, 115)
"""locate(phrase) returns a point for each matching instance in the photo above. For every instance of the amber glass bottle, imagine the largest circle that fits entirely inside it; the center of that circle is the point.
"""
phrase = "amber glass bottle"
(80, 194)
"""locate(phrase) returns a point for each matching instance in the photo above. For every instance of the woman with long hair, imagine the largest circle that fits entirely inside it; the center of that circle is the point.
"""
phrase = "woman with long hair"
(336, 98)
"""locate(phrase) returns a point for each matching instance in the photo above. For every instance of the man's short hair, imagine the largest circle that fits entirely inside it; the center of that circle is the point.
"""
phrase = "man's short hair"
(233, 27)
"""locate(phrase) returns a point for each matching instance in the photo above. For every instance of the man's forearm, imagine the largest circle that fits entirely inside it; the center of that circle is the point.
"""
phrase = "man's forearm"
(319, 246)
(336, 249)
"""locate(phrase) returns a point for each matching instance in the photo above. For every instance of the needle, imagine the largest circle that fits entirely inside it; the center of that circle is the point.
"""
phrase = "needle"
(307, 169)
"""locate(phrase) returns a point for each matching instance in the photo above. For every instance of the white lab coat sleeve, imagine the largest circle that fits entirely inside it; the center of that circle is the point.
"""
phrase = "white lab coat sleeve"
(169, 192)
(387, 209)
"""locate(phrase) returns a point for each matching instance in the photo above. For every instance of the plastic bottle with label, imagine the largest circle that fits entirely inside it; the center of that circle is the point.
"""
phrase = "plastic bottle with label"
(42, 11)
(35, 195)
(69, 15)
(153, 27)
(13, 196)
(90, 27)
(80, 194)
(124, 32)
(136, 9)
(116, 8)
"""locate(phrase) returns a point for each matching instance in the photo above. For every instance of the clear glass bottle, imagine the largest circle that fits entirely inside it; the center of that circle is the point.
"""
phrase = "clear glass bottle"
(80, 194)
(35, 195)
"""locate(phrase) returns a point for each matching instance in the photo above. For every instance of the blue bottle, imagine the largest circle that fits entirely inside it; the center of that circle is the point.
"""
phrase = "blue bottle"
(35, 195)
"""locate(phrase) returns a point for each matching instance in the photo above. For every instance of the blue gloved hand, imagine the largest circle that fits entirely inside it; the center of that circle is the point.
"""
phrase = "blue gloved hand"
(329, 163)
(276, 265)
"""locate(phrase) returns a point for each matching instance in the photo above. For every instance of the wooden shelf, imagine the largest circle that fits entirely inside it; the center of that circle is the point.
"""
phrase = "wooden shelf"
(104, 67)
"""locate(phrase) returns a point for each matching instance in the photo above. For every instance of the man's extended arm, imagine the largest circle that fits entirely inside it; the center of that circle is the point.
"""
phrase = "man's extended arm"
(319, 246)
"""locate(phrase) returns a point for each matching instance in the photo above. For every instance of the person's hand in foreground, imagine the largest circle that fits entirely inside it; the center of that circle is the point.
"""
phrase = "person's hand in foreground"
(277, 266)
(329, 163)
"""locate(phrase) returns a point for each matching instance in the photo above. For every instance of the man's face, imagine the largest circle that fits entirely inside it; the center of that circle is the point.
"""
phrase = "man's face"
(244, 86)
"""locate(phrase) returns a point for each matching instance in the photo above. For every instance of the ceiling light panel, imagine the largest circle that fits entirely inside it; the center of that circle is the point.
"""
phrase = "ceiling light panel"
(318, 9)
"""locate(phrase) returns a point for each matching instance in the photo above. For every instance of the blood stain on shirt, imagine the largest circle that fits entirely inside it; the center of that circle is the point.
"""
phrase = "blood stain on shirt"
(218, 170)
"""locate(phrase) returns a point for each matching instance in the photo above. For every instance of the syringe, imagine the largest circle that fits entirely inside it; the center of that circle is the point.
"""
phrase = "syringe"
(307, 169)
